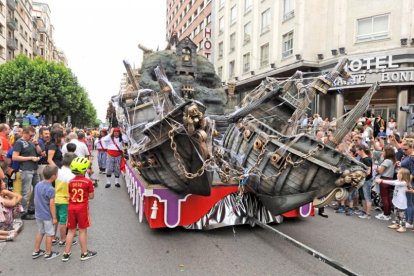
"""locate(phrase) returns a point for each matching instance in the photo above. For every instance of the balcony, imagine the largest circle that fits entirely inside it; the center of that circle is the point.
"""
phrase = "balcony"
(11, 44)
(42, 30)
(11, 4)
(11, 23)
(35, 36)
(36, 51)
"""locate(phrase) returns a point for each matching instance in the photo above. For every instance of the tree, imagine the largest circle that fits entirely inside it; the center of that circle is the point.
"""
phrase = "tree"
(47, 88)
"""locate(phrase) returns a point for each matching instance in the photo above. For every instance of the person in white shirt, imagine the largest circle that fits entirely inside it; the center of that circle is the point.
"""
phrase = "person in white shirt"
(399, 199)
(81, 148)
(101, 148)
(113, 143)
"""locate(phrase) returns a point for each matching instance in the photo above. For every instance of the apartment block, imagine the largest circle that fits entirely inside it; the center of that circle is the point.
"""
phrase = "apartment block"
(256, 39)
(191, 18)
(3, 31)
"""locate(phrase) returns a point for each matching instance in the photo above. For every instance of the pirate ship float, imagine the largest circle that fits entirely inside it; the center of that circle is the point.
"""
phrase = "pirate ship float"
(203, 168)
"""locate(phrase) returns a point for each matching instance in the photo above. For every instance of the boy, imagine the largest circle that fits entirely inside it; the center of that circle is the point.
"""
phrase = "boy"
(80, 191)
(62, 195)
(45, 213)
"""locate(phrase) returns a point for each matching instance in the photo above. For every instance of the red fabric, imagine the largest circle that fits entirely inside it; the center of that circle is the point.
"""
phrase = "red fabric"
(386, 194)
(114, 153)
(122, 165)
(79, 189)
(6, 146)
(78, 218)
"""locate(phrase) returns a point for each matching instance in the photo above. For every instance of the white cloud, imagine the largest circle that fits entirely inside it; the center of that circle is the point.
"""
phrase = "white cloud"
(96, 35)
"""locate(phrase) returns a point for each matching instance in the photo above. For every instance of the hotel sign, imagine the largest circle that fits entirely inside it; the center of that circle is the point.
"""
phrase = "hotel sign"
(367, 71)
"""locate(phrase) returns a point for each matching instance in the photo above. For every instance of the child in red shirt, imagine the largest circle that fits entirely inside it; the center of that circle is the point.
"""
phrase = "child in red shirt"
(81, 189)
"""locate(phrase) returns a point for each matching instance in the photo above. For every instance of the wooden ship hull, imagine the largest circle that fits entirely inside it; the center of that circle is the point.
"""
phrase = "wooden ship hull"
(255, 148)
(160, 164)
(285, 172)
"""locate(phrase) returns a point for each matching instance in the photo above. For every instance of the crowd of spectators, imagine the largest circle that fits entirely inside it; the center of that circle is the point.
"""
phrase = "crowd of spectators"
(389, 157)
(24, 153)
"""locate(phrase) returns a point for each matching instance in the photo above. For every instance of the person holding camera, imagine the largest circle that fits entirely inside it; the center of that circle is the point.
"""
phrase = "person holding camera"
(26, 150)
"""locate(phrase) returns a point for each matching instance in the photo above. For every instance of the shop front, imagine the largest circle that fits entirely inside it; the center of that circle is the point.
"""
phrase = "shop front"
(396, 77)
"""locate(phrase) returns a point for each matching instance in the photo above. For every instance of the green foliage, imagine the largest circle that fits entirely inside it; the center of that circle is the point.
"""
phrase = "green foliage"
(49, 88)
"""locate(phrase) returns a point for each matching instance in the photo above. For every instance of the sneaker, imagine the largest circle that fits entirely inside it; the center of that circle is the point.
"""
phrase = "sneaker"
(117, 185)
(55, 241)
(359, 212)
(350, 212)
(341, 210)
(63, 243)
(66, 256)
(394, 226)
(89, 254)
(38, 254)
(380, 216)
(107, 185)
(386, 218)
(401, 230)
(365, 216)
(52, 255)
(409, 226)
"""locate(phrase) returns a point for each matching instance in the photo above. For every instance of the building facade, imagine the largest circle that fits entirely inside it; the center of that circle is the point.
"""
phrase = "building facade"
(256, 39)
(25, 28)
(191, 18)
(3, 31)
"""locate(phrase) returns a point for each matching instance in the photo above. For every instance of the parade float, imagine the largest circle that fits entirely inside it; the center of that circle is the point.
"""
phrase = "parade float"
(192, 165)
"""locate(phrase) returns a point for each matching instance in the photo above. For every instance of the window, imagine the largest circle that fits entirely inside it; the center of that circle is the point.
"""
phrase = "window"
(247, 5)
(265, 21)
(233, 15)
(232, 42)
(231, 69)
(247, 32)
(200, 45)
(202, 25)
(288, 9)
(208, 18)
(221, 25)
(220, 72)
(264, 55)
(372, 28)
(220, 50)
(287, 47)
(246, 63)
(221, 3)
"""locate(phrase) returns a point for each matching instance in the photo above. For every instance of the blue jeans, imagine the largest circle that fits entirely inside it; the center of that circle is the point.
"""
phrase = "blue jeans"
(409, 212)
(29, 179)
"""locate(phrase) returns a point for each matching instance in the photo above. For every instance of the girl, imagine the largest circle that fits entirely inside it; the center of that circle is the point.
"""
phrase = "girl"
(8, 201)
(399, 198)
(386, 170)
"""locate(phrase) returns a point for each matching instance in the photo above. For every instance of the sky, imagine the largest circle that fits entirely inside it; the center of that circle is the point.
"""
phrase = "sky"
(96, 35)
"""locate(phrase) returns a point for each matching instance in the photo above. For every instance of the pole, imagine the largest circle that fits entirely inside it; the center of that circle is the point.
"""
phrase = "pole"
(307, 249)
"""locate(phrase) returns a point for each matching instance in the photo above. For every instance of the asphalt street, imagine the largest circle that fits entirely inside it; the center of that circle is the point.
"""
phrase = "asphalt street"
(127, 247)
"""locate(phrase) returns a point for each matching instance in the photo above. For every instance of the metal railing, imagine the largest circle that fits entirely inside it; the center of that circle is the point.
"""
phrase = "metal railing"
(11, 4)
(11, 44)
(11, 23)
